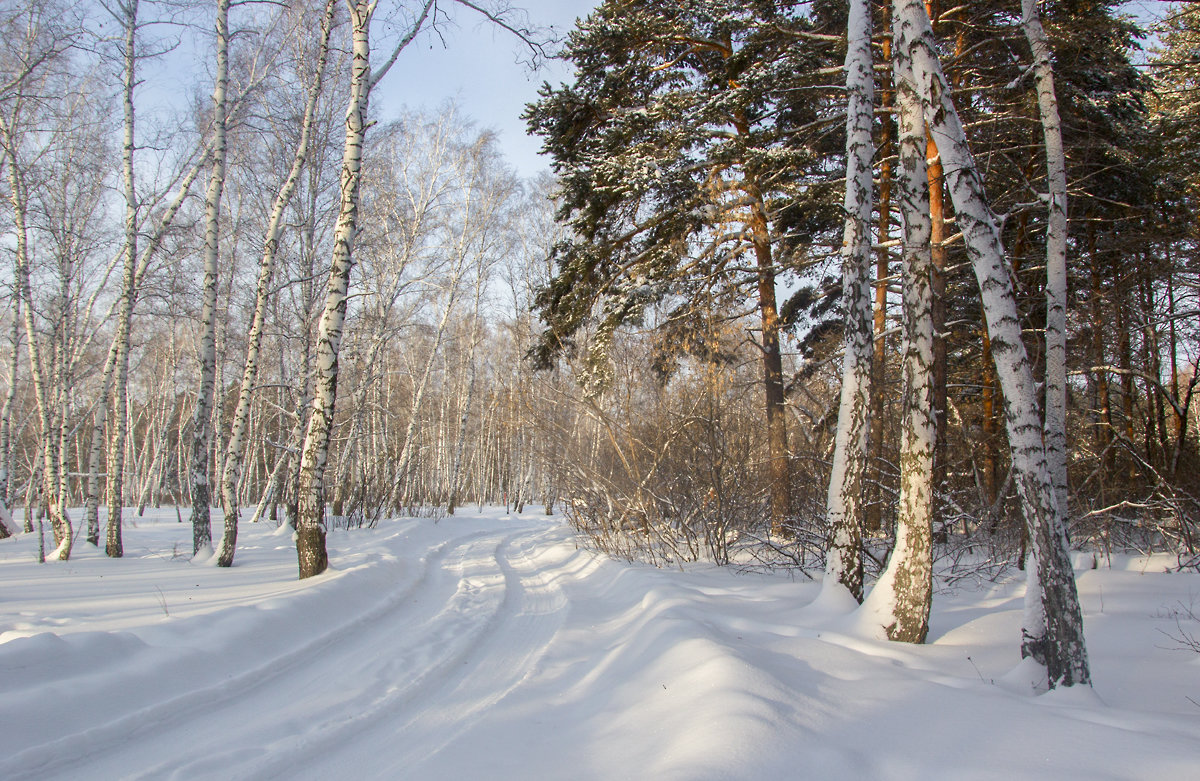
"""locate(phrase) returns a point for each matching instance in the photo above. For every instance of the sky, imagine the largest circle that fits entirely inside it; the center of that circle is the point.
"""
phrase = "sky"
(477, 66)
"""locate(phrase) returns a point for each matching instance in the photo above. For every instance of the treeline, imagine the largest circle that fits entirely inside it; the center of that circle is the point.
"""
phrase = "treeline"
(669, 268)
(179, 303)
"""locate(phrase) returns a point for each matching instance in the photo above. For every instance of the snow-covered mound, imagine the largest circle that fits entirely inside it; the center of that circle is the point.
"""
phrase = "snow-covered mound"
(493, 647)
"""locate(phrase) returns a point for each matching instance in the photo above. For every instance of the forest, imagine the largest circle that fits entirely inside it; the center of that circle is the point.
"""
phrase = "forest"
(874, 289)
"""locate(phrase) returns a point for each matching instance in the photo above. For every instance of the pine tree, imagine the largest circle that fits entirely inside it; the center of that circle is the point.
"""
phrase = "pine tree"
(676, 159)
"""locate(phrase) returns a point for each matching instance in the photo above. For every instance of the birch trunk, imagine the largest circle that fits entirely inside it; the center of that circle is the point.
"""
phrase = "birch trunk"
(129, 293)
(844, 505)
(902, 597)
(202, 422)
(1055, 429)
(7, 526)
(311, 554)
(118, 380)
(873, 523)
(1055, 638)
(47, 407)
(232, 472)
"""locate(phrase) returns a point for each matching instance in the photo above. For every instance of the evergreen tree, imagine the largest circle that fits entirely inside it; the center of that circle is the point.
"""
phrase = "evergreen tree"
(677, 155)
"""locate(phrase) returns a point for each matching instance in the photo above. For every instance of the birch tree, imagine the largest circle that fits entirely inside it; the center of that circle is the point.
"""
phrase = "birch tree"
(1055, 427)
(232, 473)
(844, 507)
(901, 598)
(126, 14)
(7, 526)
(202, 419)
(1053, 632)
(310, 519)
(36, 45)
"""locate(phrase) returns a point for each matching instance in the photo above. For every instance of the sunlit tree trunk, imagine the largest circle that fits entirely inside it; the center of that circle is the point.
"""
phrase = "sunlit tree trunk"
(117, 377)
(874, 515)
(311, 553)
(1056, 255)
(202, 421)
(901, 599)
(7, 526)
(1055, 638)
(844, 506)
(232, 472)
(48, 406)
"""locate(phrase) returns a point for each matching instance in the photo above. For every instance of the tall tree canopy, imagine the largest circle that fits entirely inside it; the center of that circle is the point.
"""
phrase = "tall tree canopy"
(680, 163)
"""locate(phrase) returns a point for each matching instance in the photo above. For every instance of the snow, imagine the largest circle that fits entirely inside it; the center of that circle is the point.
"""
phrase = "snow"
(494, 646)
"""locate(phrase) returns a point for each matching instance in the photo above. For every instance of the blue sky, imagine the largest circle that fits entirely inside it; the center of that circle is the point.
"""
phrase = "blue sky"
(476, 65)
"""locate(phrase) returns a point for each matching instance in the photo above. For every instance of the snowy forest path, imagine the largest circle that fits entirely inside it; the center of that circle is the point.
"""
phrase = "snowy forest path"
(440, 643)
(496, 646)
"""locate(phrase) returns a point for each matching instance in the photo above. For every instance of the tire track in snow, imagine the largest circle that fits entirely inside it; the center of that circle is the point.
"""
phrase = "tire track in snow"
(360, 677)
(465, 672)
(103, 751)
(503, 656)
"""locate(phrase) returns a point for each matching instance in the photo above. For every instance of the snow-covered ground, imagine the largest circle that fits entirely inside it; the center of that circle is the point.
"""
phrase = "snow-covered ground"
(493, 647)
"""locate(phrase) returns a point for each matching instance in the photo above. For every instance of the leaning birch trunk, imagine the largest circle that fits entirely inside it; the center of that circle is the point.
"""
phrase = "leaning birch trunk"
(63, 533)
(1056, 641)
(1055, 429)
(311, 554)
(901, 599)
(232, 473)
(118, 381)
(844, 506)
(130, 284)
(202, 422)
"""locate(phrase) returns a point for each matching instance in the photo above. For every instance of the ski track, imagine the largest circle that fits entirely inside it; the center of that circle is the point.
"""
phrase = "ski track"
(384, 674)
(492, 647)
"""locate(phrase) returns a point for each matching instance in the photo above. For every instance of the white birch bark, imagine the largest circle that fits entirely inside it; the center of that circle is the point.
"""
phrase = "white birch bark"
(901, 598)
(1055, 428)
(118, 375)
(232, 472)
(125, 307)
(844, 505)
(311, 554)
(1057, 641)
(48, 407)
(202, 422)
(7, 526)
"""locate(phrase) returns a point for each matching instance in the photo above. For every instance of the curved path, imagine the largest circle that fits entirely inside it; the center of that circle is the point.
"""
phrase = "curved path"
(493, 647)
